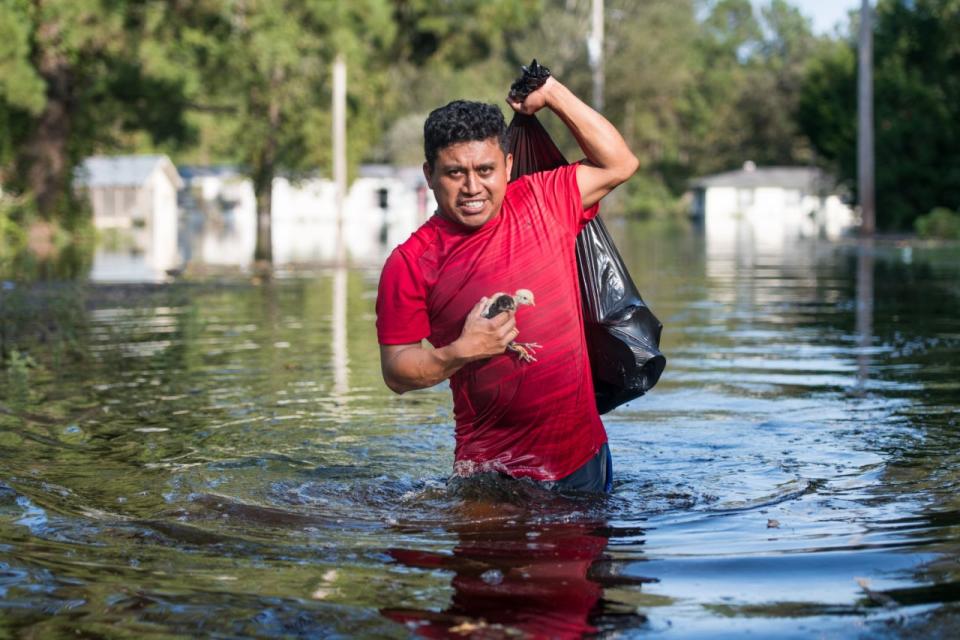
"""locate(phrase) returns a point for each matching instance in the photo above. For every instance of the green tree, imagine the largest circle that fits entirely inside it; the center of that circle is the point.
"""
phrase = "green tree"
(450, 49)
(76, 80)
(916, 109)
(827, 112)
(459, 33)
(21, 87)
(690, 95)
(744, 103)
(272, 69)
(650, 71)
(649, 68)
(769, 96)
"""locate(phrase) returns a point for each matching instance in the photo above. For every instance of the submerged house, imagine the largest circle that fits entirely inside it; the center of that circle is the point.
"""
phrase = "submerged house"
(397, 201)
(219, 216)
(154, 217)
(772, 205)
(134, 201)
(382, 207)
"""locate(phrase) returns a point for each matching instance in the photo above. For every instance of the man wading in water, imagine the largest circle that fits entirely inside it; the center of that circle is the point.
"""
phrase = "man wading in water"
(517, 414)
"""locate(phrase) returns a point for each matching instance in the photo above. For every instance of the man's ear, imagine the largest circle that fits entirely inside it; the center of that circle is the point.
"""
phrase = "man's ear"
(509, 164)
(428, 174)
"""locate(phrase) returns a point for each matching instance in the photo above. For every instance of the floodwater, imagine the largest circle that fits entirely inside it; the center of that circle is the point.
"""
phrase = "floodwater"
(222, 459)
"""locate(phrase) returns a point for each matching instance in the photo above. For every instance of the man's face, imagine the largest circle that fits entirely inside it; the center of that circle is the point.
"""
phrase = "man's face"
(469, 180)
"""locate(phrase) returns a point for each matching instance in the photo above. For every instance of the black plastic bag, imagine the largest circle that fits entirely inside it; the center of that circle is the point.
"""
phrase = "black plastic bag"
(623, 335)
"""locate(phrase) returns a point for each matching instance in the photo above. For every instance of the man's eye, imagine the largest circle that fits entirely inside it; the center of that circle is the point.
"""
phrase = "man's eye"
(455, 173)
(485, 171)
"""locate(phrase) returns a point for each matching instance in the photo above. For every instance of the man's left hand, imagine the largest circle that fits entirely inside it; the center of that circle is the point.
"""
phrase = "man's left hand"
(535, 101)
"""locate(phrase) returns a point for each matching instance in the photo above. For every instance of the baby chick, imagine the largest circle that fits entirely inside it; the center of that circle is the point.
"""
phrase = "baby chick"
(500, 302)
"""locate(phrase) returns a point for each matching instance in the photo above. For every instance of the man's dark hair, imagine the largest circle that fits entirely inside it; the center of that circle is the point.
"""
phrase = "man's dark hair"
(462, 121)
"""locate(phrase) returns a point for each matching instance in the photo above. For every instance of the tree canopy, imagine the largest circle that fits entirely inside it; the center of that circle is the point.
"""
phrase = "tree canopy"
(696, 86)
(78, 78)
(916, 108)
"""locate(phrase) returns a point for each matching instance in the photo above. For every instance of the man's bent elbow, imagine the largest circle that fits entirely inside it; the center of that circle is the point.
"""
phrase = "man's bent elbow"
(618, 172)
(395, 385)
(627, 167)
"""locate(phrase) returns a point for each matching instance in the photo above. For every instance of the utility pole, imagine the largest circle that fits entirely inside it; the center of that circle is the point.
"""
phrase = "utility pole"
(865, 155)
(595, 53)
(340, 149)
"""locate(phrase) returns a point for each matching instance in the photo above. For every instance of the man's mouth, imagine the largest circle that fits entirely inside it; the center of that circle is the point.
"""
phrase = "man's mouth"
(471, 206)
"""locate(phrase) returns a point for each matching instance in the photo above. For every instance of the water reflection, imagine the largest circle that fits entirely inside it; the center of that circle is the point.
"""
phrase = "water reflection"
(865, 267)
(339, 357)
(522, 573)
(222, 459)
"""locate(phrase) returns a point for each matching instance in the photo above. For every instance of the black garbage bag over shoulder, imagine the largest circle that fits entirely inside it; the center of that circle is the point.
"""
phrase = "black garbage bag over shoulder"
(623, 335)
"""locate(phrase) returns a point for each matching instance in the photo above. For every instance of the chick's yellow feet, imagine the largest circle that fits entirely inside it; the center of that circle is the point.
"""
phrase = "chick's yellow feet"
(526, 351)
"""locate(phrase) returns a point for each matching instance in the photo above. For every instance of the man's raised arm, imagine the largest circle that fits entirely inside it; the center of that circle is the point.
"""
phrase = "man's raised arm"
(609, 161)
(406, 367)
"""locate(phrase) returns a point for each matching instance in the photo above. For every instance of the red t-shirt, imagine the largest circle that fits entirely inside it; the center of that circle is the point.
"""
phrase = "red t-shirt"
(527, 419)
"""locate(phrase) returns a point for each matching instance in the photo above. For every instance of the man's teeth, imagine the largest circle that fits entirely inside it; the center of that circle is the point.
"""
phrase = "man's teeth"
(472, 204)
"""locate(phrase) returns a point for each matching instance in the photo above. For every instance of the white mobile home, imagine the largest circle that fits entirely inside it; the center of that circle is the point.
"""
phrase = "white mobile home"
(383, 206)
(134, 200)
(771, 205)
(219, 223)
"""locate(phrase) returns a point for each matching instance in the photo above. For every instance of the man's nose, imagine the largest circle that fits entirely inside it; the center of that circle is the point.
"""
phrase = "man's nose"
(470, 183)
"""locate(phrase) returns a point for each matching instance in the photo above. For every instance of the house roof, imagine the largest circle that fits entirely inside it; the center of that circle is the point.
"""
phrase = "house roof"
(189, 172)
(376, 171)
(809, 179)
(125, 171)
(410, 176)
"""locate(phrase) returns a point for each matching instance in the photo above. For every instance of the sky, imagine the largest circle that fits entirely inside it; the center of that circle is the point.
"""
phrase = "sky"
(824, 13)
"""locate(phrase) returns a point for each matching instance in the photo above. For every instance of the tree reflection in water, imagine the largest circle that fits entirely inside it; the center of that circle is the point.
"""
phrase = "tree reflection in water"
(537, 569)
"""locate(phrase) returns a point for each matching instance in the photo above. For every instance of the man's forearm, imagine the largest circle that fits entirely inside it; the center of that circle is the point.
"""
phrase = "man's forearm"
(409, 366)
(599, 140)
(418, 368)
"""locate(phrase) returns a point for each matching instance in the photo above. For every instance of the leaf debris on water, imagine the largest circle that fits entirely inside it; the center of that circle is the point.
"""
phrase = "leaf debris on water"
(878, 597)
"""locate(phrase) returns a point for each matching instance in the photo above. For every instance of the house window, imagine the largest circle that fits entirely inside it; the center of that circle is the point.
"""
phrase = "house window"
(699, 202)
(745, 198)
(129, 202)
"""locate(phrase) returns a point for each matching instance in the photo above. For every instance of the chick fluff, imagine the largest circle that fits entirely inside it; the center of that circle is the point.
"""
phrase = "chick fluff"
(500, 302)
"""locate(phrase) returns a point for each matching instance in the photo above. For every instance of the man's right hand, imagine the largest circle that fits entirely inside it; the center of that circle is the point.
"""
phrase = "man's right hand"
(407, 367)
(486, 337)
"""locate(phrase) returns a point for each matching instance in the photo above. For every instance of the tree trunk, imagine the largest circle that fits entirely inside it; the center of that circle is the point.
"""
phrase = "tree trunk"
(264, 172)
(44, 161)
(263, 191)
